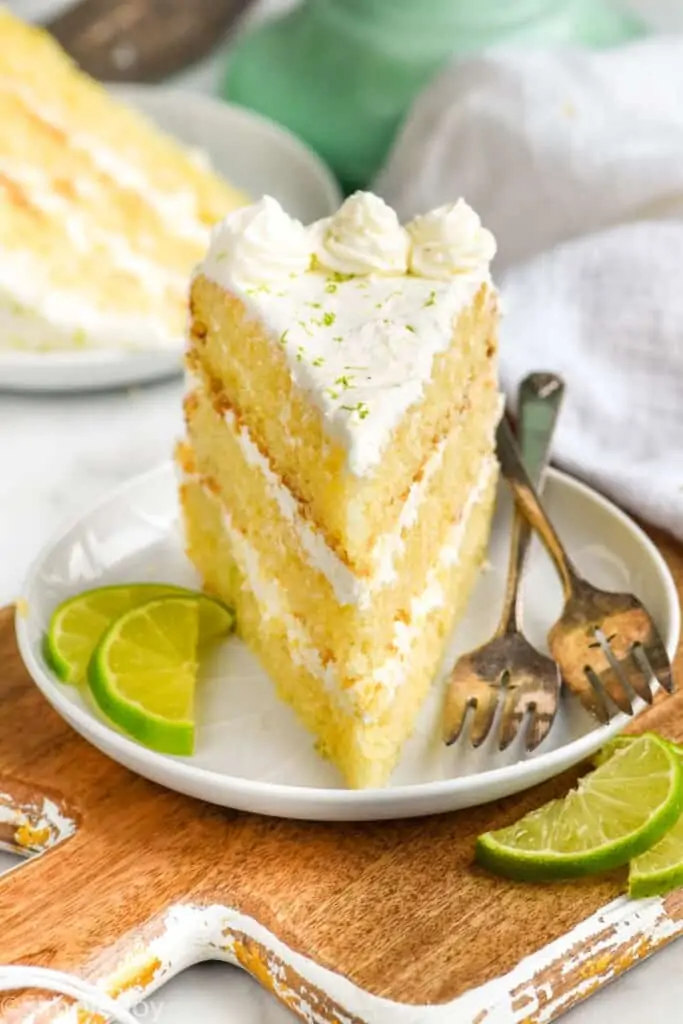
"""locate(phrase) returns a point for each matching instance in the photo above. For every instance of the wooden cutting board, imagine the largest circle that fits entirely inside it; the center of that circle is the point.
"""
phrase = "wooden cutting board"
(344, 923)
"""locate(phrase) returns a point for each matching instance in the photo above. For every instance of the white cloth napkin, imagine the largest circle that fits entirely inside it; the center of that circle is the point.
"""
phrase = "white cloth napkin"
(575, 160)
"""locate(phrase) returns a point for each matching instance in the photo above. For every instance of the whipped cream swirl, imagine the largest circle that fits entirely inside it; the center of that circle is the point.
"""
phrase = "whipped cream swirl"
(260, 243)
(449, 240)
(363, 237)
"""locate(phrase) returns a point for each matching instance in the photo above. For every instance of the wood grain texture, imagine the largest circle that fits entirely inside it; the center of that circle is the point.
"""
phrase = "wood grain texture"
(397, 908)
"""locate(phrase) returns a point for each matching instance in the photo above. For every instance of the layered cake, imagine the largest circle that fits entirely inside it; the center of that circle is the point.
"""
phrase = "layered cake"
(339, 469)
(102, 216)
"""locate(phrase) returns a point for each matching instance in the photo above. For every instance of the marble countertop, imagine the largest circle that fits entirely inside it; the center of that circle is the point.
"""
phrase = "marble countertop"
(60, 454)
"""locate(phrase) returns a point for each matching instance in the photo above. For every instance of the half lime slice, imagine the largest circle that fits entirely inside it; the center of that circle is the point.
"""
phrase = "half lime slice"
(615, 813)
(77, 624)
(143, 672)
(660, 869)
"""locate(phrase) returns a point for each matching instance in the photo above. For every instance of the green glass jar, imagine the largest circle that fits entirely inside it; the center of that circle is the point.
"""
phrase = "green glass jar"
(342, 73)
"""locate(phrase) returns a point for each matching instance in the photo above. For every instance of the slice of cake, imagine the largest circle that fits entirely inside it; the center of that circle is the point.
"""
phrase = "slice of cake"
(102, 216)
(339, 469)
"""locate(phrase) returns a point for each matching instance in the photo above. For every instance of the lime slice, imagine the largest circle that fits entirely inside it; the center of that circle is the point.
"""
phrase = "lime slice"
(604, 753)
(660, 869)
(619, 742)
(78, 624)
(616, 812)
(143, 672)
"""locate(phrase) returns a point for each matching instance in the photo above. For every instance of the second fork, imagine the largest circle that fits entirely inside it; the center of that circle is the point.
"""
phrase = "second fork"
(508, 670)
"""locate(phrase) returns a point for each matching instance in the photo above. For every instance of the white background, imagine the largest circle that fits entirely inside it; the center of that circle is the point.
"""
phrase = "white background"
(60, 454)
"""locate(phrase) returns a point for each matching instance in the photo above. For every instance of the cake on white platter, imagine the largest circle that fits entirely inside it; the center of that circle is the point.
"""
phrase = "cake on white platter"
(102, 215)
(339, 470)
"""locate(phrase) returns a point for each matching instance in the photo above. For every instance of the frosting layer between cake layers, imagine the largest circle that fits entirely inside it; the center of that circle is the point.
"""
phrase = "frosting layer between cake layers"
(274, 604)
(350, 587)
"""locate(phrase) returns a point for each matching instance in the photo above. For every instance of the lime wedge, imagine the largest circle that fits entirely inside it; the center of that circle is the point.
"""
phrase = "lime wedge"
(77, 624)
(619, 742)
(615, 813)
(143, 672)
(661, 868)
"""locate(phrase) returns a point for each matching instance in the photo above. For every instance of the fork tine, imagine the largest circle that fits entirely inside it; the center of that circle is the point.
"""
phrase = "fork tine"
(537, 701)
(638, 674)
(458, 705)
(514, 710)
(543, 712)
(468, 695)
(658, 661)
(613, 685)
(539, 725)
(593, 697)
(459, 698)
(613, 679)
(484, 713)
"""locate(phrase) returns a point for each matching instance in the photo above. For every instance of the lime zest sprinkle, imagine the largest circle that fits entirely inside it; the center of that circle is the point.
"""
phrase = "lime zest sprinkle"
(361, 409)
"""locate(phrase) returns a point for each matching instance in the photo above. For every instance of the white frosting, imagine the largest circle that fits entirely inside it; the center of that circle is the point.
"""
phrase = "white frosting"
(178, 208)
(362, 348)
(363, 237)
(274, 604)
(450, 240)
(36, 314)
(393, 672)
(261, 243)
(348, 588)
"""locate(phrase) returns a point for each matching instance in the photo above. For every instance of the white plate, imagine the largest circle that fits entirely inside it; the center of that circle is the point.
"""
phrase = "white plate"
(251, 752)
(255, 155)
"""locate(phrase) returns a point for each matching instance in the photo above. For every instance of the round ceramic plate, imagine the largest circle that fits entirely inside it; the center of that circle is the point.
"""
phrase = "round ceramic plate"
(253, 154)
(251, 752)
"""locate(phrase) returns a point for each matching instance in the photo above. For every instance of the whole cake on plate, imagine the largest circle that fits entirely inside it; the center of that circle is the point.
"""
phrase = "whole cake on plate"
(339, 470)
(102, 217)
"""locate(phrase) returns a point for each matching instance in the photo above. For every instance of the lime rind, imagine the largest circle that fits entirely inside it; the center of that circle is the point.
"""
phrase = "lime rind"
(79, 623)
(68, 646)
(660, 869)
(503, 851)
(177, 663)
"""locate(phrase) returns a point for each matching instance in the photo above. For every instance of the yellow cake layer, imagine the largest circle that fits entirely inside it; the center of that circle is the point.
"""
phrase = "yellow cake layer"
(218, 435)
(357, 636)
(363, 730)
(234, 349)
(101, 201)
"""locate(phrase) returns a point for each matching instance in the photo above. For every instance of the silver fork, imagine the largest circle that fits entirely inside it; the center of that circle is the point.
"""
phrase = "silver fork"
(508, 668)
(606, 644)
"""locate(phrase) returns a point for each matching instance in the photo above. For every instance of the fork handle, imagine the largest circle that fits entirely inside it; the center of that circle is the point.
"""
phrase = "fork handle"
(540, 399)
(529, 504)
